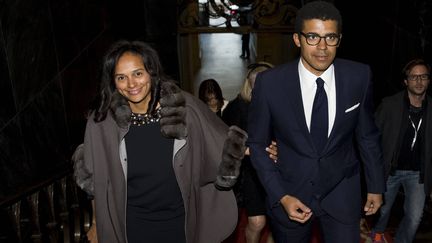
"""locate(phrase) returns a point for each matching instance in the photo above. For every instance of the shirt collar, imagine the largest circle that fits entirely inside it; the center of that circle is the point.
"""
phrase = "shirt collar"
(309, 78)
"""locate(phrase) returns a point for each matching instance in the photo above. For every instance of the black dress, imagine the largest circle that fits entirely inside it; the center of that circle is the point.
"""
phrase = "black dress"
(155, 211)
(249, 191)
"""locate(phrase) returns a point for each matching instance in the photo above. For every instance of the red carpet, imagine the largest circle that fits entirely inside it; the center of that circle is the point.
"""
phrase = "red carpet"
(239, 237)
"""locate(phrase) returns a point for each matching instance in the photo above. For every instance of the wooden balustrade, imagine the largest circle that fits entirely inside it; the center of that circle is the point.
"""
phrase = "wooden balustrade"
(53, 211)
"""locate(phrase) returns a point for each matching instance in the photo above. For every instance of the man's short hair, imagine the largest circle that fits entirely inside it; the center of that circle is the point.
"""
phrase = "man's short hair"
(318, 10)
(411, 64)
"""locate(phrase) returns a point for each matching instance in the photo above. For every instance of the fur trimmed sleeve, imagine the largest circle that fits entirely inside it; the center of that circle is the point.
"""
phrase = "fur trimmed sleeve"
(173, 112)
(83, 176)
(232, 155)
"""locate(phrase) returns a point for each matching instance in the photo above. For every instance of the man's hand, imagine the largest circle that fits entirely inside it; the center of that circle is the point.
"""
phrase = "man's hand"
(373, 203)
(295, 209)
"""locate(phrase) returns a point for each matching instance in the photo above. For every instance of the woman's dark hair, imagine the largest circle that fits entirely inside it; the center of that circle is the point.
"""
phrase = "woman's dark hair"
(109, 97)
(318, 10)
(210, 87)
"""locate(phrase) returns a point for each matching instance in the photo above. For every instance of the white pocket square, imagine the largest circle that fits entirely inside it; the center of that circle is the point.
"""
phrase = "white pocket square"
(352, 108)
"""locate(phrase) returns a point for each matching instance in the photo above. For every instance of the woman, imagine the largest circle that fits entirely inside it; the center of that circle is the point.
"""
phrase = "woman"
(153, 153)
(211, 94)
(236, 113)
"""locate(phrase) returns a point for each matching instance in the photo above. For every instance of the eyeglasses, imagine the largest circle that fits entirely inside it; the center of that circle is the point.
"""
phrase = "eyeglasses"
(417, 77)
(314, 39)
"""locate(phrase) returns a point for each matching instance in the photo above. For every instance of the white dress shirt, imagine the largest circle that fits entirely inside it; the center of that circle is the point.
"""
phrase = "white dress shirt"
(308, 88)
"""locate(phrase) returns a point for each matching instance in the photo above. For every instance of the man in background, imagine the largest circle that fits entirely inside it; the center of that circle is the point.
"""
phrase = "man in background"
(405, 120)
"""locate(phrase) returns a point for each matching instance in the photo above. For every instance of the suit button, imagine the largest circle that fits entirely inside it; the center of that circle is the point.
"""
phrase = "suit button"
(181, 165)
(312, 183)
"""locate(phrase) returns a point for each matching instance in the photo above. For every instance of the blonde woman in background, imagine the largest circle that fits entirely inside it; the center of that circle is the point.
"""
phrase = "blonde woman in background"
(252, 194)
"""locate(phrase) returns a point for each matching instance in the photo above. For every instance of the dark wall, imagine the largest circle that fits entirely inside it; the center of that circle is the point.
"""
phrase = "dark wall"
(47, 65)
(386, 34)
(154, 21)
(50, 52)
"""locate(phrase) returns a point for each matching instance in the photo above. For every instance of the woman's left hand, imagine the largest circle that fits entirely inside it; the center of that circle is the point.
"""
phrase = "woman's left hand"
(272, 150)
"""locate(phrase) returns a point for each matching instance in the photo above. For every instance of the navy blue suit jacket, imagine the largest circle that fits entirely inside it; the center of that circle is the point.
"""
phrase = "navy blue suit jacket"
(332, 177)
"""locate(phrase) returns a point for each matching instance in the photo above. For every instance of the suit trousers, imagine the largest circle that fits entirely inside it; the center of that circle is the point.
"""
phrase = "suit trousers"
(332, 231)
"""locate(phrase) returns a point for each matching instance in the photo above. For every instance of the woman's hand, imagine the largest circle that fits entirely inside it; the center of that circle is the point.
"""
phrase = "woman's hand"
(272, 150)
(92, 234)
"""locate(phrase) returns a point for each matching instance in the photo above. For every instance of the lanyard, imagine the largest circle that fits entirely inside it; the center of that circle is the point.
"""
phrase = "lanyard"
(416, 129)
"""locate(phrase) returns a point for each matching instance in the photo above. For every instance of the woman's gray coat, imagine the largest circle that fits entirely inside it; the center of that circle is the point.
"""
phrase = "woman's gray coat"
(211, 215)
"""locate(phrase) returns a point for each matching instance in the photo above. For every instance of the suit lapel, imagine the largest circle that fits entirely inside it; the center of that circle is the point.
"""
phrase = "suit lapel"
(340, 86)
(293, 91)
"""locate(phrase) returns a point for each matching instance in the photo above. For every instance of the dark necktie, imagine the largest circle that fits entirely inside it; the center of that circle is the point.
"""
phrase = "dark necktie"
(319, 120)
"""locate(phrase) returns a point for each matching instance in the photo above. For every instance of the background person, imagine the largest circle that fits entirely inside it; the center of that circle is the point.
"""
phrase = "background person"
(245, 46)
(252, 192)
(405, 121)
(211, 93)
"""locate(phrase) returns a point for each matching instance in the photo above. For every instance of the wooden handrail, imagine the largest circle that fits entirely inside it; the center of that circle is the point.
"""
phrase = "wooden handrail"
(51, 211)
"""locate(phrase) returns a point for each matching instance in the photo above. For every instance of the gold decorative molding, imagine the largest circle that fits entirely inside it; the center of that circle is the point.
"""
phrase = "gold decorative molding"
(260, 15)
(274, 13)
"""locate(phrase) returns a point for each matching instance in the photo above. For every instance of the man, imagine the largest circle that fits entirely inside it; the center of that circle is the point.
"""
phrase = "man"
(317, 173)
(405, 120)
(245, 46)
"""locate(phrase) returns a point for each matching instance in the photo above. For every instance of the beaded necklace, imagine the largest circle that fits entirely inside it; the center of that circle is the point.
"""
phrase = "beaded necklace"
(138, 119)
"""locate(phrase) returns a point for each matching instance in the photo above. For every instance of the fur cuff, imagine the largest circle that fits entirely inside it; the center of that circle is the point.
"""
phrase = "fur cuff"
(173, 99)
(120, 109)
(173, 112)
(232, 155)
(83, 177)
